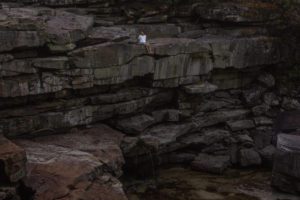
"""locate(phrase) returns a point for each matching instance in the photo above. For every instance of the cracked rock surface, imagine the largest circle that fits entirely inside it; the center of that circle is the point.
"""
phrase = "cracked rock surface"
(82, 99)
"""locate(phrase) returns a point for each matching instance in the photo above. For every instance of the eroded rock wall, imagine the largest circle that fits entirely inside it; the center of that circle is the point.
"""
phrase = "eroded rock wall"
(218, 75)
(60, 65)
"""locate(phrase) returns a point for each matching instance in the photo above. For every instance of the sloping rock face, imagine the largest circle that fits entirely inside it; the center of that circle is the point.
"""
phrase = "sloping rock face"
(12, 168)
(218, 74)
(82, 164)
(13, 159)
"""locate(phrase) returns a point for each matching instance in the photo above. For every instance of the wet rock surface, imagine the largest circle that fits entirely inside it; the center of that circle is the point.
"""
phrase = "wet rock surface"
(180, 183)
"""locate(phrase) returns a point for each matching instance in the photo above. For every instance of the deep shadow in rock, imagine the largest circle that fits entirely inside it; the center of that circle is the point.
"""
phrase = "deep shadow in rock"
(25, 193)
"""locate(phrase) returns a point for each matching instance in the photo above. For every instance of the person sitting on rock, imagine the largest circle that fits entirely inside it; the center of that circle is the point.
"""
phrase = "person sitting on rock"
(142, 39)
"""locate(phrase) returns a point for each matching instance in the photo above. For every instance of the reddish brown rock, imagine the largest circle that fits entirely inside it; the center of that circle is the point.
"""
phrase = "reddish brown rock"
(12, 161)
(83, 165)
(100, 141)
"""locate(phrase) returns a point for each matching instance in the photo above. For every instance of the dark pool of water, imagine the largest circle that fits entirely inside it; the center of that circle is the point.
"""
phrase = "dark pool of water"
(184, 184)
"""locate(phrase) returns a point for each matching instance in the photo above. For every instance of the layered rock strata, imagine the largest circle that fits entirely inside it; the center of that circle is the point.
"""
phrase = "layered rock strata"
(218, 75)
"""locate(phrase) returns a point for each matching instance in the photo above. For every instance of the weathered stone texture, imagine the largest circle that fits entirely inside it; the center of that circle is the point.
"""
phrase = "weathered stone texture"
(216, 77)
(76, 165)
(62, 115)
(12, 161)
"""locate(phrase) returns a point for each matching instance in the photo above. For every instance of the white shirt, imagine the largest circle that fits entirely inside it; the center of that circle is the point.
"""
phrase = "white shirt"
(142, 39)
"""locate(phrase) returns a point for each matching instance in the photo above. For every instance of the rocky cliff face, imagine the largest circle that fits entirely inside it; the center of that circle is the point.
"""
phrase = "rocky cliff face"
(219, 74)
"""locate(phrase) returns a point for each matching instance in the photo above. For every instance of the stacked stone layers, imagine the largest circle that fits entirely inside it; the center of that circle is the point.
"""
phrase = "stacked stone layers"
(31, 67)
(209, 91)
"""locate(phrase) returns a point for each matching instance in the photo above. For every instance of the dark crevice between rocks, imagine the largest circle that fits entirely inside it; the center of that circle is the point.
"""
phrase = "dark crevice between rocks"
(3, 177)
(41, 52)
(143, 173)
(146, 164)
(141, 167)
(25, 193)
(20, 101)
(14, 190)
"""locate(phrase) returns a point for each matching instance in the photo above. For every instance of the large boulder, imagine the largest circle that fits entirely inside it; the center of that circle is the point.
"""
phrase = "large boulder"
(79, 165)
(101, 141)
